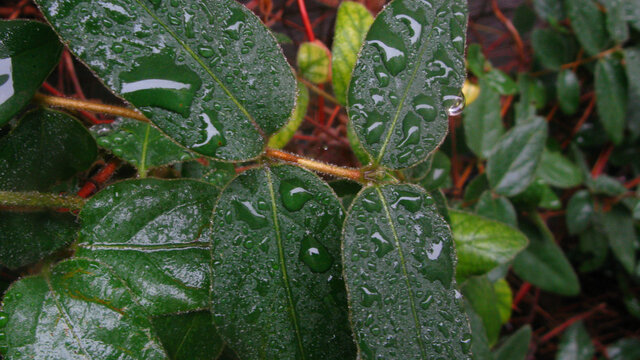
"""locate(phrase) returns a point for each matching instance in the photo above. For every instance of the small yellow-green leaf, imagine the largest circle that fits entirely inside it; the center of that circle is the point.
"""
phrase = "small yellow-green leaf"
(284, 135)
(314, 61)
(504, 298)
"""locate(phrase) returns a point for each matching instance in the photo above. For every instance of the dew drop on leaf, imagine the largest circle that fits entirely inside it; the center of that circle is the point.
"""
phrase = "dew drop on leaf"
(247, 213)
(315, 255)
(294, 195)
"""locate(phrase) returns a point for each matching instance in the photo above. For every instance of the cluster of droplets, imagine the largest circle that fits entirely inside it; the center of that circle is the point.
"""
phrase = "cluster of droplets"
(4, 320)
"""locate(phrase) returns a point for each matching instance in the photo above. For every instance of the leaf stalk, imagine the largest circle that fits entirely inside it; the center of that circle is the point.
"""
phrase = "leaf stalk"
(33, 199)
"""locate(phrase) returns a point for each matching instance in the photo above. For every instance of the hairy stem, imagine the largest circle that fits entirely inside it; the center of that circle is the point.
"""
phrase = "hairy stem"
(40, 200)
(74, 104)
(349, 173)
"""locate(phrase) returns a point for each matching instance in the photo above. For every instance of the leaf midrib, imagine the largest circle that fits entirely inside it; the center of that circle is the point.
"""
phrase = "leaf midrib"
(188, 49)
(423, 48)
(404, 272)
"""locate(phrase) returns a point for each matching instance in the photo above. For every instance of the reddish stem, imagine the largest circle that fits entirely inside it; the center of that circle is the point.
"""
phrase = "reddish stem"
(583, 119)
(305, 19)
(522, 292)
(562, 327)
(101, 177)
(601, 162)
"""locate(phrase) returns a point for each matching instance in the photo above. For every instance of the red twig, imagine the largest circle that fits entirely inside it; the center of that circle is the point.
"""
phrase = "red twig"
(562, 327)
(305, 19)
(100, 178)
(506, 105)
(583, 119)
(333, 116)
(522, 292)
(602, 161)
(632, 183)
(512, 30)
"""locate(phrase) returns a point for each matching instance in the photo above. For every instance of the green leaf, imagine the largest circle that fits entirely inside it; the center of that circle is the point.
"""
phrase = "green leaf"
(408, 77)
(398, 250)
(556, 170)
(46, 147)
(476, 62)
(314, 61)
(504, 299)
(78, 310)
(501, 82)
(549, 9)
(624, 349)
(497, 208)
(619, 228)
(438, 173)
(29, 50)
(632, 60)
(284, 135)
(148, 231)
(361, 154)
(568, 91)
(632, 14)
(476, 188)
(478, 291)
(512, 165)
(26, 237)
(441, 204)
(352, 23)
(543, 263)
(483, 123)
(575, 344)
(549, 199)
(346, 190)
(189, 336)
(588, 24)
(616, 20)
(531, 197)
(516, 346)
(579, 212)
(140, 144)
(213, 172)
(479, 342)
(208, 74)
(533, 95)
(277, 289)
(524, 18)
(553, 49)
(483, 244)
(594, 249)
(611, 97)
(607, 185)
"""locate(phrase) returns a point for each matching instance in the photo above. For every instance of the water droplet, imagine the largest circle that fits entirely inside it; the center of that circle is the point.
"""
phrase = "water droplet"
(157, 81)
(383, 246)
(213, 138)
(409, 200)
(393, 53)
(371, 202)
(434, 252)
(426, 303)
(234, 24)
(369, 296)
(411, 130)
(315, 255)
(414, 26)
(374, 128)
(117, 48)
(465, 342)
(457, 35)
(206, 51)
(294, 195)
(247, 213)
(4, 319)
(425, 107)
(381, 74)
(454, 104)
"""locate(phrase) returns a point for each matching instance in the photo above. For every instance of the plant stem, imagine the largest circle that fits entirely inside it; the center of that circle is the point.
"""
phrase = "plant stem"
(575, 64)
(318, 91)
(40, 200)
(305, 19)
(89, 106)
(349, 173)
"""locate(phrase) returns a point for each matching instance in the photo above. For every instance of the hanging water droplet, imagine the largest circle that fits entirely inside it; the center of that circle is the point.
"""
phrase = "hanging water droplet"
(294, 195)
(454, 104)
(315, 255)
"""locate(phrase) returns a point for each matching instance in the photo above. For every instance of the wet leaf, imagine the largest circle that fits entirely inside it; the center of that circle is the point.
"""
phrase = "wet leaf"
(189, 336)
(284, 135)
(512, 165)
(556, 170)
(579, 212)
(588, 23)
(619, 228)
(140, 144)
(497, 208)
(314, 61)
(552, 48)
(148, 231)
(568, 91)
(213, 172)
(543, 263)
(483, 244)
(575, 344)
(407, 80)
(277, 289)
(46, 147)
(77, 310)
(611, 97)
(346, 190)
(478, 291)
(361, 154)
(29, 50)
(483, 123)
(352, 23)
(516, 346)
(479, 343)
(399, 263)
(438, 173)
(208, 74)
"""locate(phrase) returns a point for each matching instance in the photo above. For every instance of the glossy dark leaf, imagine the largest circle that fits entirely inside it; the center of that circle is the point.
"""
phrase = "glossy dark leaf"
(77, 310)
(189, 336)
(579, 212)
(478, 291)
(632, 60)
(619, 228)
(441, 204)
(516, 346)
(611, 97)
(29, 50)
(148, 231)
(26, 237)
(346, 190)
(214, 172)
(557, 170)
(314, 61)
(476, 62)
(575, 344)
(543, 263)
(483, 244)
(282, 137)
(588, 23)
(549, 9)
(497, 208)
(352, 23)
(46, 147)
(139, 143)
(407, 78)
(479, 342)
(500, 82)
(399, 263)
(483, 123)
(438, 173)
(512, 165)
(568, 91)
(552, 48)
(277, 289)
(607, 185)
(209, 74)
(616, 19)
